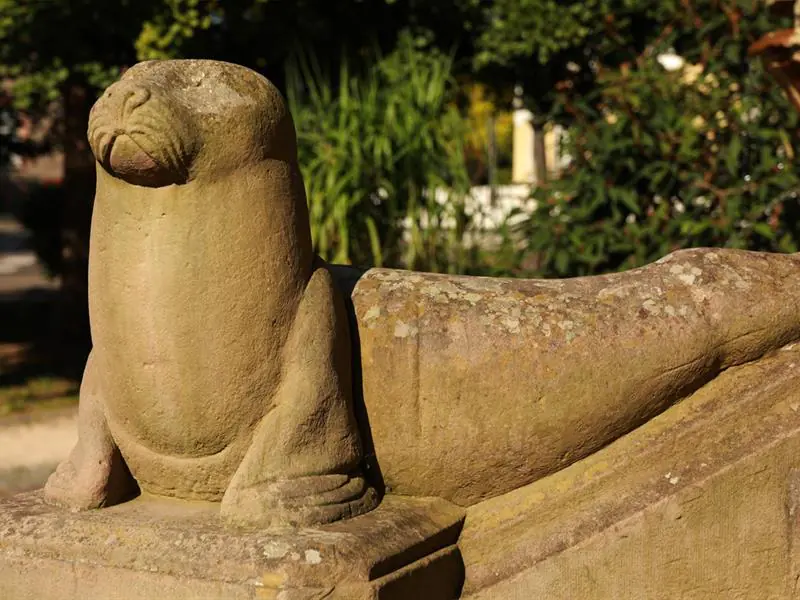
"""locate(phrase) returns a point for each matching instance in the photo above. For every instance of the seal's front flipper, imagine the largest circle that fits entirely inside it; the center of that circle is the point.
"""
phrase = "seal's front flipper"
(94, 475)
(300, 502)
(303, 467)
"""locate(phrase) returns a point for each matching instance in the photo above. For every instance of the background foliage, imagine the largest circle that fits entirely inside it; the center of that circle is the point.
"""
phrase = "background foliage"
(373, 149)
(661, 160)
(701, 156)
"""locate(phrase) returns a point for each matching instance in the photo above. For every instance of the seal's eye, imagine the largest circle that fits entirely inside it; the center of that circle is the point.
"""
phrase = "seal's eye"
(137, 137)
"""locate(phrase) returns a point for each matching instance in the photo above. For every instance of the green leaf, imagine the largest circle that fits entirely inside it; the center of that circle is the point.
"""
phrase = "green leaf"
(764, 230)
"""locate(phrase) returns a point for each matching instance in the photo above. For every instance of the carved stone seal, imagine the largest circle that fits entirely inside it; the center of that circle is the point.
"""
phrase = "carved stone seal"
(496, 383)
(221, 367)
(221, 361)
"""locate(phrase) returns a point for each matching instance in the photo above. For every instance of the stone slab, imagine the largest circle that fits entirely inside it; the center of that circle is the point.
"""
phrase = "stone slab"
(700, 503)
(161, 548)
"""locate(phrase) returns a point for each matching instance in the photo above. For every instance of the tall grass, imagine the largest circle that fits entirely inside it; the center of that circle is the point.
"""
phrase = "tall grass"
(373, 146)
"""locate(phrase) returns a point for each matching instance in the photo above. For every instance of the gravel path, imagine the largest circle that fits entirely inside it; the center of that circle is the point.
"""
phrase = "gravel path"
(30, 445)
(30, 449)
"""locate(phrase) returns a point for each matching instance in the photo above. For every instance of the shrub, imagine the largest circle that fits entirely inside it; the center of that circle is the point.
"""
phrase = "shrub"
(700, 156)
(373, 147)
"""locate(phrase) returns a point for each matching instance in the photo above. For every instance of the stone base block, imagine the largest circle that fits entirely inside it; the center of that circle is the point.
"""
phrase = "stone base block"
(701, 503)
(160, 548)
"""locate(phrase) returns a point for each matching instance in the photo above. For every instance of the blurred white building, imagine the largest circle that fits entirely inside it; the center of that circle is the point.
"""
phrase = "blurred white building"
(523, 167)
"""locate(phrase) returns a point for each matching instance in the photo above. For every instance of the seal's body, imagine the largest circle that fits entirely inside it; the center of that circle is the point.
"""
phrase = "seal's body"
(495, 383)
(219, 340)
(200, 310)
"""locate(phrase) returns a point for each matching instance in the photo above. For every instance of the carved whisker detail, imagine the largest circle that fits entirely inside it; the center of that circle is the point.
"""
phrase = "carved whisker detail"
(165, 118)
(101, 141)
(156, 151)
(96, 113)
(166, 151)
(99, 122)
(95, 120)
(174, 147)
(133, 100)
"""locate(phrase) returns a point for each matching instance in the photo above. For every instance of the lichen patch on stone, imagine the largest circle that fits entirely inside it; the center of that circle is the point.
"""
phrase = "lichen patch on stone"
(404, 330)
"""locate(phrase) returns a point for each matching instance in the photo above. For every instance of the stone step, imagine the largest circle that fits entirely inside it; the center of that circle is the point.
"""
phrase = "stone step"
(700, 502)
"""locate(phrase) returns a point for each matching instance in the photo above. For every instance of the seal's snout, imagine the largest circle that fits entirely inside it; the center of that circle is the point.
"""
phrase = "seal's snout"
(124, 97)
(131, 96)
(136, 136)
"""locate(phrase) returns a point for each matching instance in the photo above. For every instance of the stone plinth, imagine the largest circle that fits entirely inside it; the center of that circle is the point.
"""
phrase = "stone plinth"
(157, 548)
(701, 502)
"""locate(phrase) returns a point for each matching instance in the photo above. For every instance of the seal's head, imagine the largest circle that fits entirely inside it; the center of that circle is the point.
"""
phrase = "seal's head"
(169, 122)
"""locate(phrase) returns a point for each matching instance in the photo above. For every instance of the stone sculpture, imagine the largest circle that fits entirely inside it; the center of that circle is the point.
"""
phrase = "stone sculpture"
(527, 377)
(630, 436)
(221, 361)
(221, 367)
